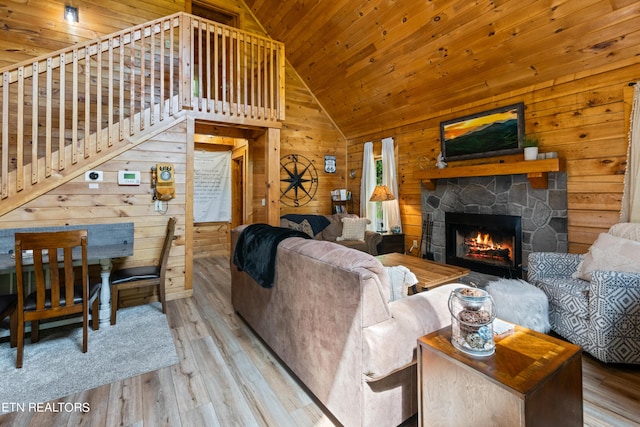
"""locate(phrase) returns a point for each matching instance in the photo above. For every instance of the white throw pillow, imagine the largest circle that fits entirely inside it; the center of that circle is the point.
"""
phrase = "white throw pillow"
(353, 229)
(626, 230)
(609, 253)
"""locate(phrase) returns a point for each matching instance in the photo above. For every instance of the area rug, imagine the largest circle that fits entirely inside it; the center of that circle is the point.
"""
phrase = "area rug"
(55, 366)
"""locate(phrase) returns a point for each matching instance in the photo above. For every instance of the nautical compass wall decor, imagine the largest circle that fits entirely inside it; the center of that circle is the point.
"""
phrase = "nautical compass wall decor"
(298, 180)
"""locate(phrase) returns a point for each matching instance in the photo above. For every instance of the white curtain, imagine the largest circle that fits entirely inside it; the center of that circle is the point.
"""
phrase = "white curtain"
(367, 185)
(391, 209)
(631, 199)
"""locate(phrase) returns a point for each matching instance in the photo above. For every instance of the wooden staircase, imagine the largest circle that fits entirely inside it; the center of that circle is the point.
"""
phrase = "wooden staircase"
(67, 112)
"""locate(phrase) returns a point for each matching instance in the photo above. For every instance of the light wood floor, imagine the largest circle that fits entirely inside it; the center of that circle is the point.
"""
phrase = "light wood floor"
(226, 377)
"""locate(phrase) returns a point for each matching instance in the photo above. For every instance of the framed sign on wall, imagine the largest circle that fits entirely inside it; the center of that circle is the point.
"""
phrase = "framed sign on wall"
(330, 164)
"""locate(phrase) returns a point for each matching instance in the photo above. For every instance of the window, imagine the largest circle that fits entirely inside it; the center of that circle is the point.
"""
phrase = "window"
(379, 216)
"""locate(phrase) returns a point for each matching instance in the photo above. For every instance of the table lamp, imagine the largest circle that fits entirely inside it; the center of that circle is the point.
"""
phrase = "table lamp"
(381, 194)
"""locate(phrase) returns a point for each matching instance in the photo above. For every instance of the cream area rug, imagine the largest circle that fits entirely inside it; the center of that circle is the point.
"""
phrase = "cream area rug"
(55, 366)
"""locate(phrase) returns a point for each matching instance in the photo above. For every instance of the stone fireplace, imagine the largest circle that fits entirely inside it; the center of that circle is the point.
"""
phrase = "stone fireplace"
(541, 214)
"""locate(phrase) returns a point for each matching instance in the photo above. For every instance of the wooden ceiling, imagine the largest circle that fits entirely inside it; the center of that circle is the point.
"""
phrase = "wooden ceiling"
(379, 64)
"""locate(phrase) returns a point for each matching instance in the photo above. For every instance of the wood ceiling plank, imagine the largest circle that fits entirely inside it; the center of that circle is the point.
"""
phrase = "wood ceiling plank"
(400, 60)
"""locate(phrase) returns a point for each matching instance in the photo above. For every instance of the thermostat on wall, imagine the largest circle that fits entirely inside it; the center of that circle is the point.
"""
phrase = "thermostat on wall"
(128, 177)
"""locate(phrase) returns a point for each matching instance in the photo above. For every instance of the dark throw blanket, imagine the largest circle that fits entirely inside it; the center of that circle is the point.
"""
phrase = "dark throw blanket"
(256, 250)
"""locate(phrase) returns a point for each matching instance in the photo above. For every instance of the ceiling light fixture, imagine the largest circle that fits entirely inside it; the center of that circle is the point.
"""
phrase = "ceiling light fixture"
(71, 13)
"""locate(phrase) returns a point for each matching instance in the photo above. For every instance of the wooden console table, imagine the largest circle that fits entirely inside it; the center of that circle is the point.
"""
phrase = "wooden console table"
(532, 379)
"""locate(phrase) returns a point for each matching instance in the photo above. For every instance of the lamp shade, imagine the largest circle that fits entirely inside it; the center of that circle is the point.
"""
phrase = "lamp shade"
(381, 194)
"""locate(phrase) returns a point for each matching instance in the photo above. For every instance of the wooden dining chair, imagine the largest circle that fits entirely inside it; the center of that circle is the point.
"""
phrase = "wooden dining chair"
(8, 305)
(143, 276)
(57, 292)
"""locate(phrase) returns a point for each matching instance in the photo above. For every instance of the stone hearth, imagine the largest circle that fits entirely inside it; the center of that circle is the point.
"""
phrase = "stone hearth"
(543, 211)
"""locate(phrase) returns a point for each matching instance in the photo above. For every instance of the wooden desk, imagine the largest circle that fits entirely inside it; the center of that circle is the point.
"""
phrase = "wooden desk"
(532, 379)
(429, 273)
(105, 242)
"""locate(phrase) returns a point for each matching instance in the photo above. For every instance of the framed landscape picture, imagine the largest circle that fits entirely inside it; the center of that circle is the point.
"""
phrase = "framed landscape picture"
(490, 133)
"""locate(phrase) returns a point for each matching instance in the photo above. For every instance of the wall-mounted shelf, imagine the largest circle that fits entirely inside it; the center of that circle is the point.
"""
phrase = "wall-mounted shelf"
(536, 171)
(341, 206)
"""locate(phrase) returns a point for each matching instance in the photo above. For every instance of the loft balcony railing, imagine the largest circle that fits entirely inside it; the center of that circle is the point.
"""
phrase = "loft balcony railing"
(62, 112)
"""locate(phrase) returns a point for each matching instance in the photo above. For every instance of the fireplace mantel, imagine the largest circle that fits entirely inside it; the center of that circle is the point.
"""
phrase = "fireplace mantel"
(536, 171)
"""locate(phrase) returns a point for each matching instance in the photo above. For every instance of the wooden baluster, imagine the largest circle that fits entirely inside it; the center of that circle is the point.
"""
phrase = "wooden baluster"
(260, 72)
(254, 76)
(99, 96)
(61, 124)
(152, 76)
(171, 70)
(49, 119)
(271, 82)
(238, 59)
(34, 124)
(225, 80)
(142, 75)
(74, 114)
(162, 70)
(5, 134)
(231, 80)
(265, 81)
(121, 89)
(200, 78)
(20, 132)
(245, 80)
(110, 94)
(216, 68)
(208, 44)
(87, 101)
(132, 82)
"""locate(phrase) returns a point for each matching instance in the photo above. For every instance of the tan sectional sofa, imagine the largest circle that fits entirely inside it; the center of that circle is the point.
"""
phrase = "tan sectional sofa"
(329, 319)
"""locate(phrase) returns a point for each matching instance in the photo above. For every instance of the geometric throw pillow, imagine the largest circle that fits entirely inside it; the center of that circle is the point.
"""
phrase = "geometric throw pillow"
(353, 229)
(304, 226)
(609, 253)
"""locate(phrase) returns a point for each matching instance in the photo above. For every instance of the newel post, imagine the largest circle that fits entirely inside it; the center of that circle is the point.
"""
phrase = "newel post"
(186, 61)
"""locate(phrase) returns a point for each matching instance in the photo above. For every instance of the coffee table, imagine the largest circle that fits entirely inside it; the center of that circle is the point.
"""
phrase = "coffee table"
(429, 273)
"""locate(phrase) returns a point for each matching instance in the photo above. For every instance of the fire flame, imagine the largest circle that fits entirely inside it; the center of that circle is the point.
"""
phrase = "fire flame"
(483, 247)
(485, 240)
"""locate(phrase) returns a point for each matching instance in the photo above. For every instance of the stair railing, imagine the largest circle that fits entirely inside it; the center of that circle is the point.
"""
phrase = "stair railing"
(62, 111)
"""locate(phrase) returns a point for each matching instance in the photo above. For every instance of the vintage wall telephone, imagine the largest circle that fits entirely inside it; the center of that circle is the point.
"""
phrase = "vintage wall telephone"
(162, 181)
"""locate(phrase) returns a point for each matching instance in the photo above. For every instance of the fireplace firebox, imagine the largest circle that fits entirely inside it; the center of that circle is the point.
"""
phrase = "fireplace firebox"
(488, 244)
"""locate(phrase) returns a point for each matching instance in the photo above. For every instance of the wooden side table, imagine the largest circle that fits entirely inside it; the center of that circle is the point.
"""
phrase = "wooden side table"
(391, 242)
(531, 380)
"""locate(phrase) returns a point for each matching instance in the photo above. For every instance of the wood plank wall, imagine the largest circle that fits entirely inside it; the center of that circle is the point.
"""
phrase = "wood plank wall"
(75, 203)
(308, 131)
(582, 117)
(35, 28)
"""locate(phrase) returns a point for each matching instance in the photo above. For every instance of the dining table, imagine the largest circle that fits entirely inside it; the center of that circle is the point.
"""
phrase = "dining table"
(106, 242)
